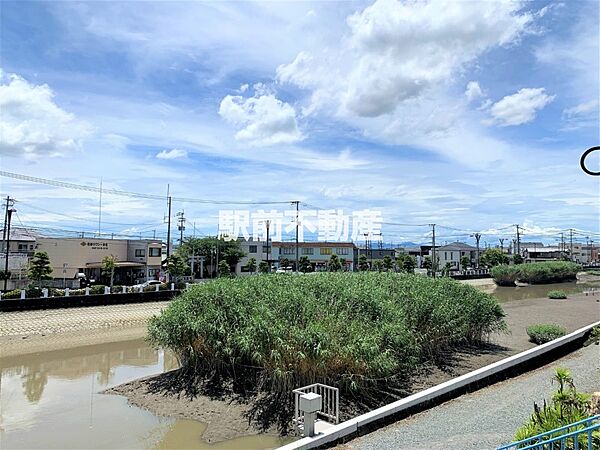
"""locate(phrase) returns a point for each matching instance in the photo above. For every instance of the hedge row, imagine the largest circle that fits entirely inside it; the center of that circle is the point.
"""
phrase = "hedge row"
(535, 273)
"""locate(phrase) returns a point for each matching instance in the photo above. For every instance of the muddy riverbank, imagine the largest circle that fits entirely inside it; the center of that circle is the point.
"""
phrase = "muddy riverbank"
(230, 412)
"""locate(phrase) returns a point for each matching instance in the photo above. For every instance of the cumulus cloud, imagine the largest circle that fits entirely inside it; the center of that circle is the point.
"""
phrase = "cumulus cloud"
(32, 124)
(172, 154)
(263, 119)
(521, 107)
(397, 50)
(473, 91)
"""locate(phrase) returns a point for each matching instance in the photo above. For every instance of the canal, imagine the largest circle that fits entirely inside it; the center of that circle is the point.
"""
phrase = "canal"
(53, 400)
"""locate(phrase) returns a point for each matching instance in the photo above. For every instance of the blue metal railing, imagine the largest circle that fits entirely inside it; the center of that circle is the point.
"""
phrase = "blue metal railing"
(541, 441)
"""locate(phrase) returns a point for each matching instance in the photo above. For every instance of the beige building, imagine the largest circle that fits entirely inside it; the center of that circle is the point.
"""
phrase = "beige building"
(137, 260)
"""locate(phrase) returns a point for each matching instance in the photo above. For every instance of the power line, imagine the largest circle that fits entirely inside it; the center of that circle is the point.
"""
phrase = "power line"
(82, 187)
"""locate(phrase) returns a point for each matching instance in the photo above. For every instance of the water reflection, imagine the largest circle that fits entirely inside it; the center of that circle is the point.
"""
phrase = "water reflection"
(505, 294)
(52, 400)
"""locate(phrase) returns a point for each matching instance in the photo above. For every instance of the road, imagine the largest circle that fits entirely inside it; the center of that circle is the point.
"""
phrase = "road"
(486, 418)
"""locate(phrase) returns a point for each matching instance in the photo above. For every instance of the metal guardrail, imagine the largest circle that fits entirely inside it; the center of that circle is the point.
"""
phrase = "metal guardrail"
(330, 410)
(546, 441)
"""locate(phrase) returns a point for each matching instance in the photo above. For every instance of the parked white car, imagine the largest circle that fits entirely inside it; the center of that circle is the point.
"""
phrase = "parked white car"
(146, 284)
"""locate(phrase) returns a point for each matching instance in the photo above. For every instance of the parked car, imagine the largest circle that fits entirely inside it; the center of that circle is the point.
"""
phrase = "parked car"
(146, 284)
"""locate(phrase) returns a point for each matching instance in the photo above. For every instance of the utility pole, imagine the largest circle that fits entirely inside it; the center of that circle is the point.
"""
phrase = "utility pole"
(587, 249)
(433, 257)
(169, 226)
(518, 241)
(9, 212)
(571, 239)
(100, 210)
(181, 226)
(477, 237)
(8, 205)
(501, 244)
(297, 203)
(268, 225)
(562, 242)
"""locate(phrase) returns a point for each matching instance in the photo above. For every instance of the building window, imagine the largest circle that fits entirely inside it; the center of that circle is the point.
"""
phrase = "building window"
(23, 247)
(154, 251)
(308, 251)
(140, 252)
(325, 251)
(252, 249)
(445, 255)
(265, 248)
(288, 251)
(342, 250)
(451, 256)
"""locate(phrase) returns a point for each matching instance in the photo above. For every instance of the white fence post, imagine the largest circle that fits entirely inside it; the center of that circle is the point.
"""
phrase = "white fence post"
(156, 287)
(106, 290)
(22, 294)
(172, 286)
(45, 292)
(87, 290)
(124, 289)
(67, 292)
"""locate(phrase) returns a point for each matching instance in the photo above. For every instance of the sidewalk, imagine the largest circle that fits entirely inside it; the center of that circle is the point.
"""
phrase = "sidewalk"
(487, 418)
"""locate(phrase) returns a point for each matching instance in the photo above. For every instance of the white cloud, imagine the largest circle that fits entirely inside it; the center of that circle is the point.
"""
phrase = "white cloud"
(473, 91)
(264, 119)
(397, 50)
(581, 109)
(521, 107)
(32, 124)
(172, 154)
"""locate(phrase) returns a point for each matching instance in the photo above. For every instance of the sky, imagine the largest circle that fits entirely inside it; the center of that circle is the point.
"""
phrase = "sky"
(469, 114)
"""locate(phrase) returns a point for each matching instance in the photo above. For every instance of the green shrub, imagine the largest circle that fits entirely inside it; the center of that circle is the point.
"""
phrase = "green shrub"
(557, 294)
(566, 406)
(97, 289)
(593, 272)
(535, 273)
(348, 329)
(542, 333)
(548, 272)
(505, 275)
(15, 293)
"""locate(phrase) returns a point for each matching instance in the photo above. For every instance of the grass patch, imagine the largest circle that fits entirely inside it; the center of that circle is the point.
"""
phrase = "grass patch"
(535, 273)
(345, 329)
(542, 333)
(557, 295)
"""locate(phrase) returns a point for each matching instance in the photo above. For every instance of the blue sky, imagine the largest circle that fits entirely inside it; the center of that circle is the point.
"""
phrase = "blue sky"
(468, 114)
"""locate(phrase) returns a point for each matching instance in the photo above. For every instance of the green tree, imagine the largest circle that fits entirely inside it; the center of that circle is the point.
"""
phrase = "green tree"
(334, 264)
(305, 265)
(284, 263)
(5, 275)
(230, 251)
(465, 262)
(446, 269)
(251, 265)
(388, 264)
(378, 265)
(406, 263)
(363, 264)
(427, 263)
(224, 269)
(493, 257)
(176, 266)
(263, 267)
(517, 259)
(39, 268)
(109, 264)
(343, 262)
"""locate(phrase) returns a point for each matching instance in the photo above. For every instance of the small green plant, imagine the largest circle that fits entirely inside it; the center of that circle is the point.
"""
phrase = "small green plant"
(542, 333)
(593, 272)
(565, 407)
(97, 289)
(557, 295)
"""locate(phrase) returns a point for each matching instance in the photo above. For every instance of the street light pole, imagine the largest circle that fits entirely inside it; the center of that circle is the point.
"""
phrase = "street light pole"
(9, 212)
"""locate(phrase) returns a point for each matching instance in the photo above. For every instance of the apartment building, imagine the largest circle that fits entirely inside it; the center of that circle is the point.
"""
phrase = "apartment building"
(453, 252)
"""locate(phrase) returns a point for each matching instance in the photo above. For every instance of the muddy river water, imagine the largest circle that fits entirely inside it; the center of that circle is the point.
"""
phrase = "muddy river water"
(53, 400)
